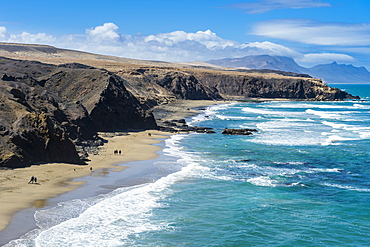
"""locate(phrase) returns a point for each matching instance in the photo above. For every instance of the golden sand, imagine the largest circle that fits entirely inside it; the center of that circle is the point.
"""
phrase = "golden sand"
(54, 179)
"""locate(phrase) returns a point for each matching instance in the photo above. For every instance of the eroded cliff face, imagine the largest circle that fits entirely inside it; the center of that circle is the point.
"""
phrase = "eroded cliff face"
(157, 85)
(49, 113)
(34, 128)
(164, 84)
(286, 87)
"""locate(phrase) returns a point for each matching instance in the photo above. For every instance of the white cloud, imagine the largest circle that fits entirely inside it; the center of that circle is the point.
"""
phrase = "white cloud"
(107, 32)
(178, 46)
(25, 37)
(310, 32)
(274, 49)
(263, 6)
(2, 32)
(315, 58)
(207, 38)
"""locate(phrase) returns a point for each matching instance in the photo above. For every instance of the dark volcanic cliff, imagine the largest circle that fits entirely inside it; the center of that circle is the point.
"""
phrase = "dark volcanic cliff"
(49, 113)
(48, 110)
(160, 85)
(247, 86)
(164, 83)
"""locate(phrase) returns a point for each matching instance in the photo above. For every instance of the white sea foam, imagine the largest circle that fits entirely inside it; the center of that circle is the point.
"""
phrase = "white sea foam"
(268, 182)
(346, 187)
(288, 105)
(287, 141)
(172, 148)
(338, 105)
(296, 120)
(323, 170)
(300, 129)
(334, 140)
(325, 114)
(289, 133)
(284, 125)
(209, 113)
(360, 106)
(108, 220)
(257, 175)
(224, 117)
(345, 132)
(365, 135)
(335, 125)
(274, 177)
(290, 163)
(200, 118)
(264, 111)
(262, 181)
(249, 166)
(222, 106)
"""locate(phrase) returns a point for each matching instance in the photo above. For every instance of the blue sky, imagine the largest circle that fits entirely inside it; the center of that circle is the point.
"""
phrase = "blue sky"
(310, 31)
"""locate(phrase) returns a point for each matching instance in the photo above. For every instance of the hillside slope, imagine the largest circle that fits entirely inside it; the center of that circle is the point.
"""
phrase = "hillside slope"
(341, 73)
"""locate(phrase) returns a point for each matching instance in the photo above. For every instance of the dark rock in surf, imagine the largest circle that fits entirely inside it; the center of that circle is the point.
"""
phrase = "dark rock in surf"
(238, 131)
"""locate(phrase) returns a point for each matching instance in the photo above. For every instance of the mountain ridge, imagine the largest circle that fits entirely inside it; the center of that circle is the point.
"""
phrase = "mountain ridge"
(330, 73)
(262, 62)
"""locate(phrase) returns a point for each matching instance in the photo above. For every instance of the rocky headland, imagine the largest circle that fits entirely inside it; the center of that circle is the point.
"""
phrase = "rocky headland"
(53, 102)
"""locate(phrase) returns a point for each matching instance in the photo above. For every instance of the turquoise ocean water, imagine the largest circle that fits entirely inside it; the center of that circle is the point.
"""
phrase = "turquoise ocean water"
(302, 180)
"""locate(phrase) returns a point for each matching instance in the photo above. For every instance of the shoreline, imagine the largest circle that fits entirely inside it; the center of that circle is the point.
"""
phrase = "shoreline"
(56, 179)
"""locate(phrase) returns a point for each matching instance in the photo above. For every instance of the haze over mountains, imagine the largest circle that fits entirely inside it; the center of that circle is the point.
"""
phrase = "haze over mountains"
(330, 73)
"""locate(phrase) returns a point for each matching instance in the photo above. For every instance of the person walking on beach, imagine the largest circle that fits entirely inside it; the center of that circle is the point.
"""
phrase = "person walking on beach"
(32, 179)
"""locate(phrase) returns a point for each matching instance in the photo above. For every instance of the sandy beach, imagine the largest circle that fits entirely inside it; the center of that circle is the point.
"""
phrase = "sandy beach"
(53, 179)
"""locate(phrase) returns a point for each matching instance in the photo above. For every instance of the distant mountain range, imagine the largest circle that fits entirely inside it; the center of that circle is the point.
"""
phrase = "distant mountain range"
(330, 73)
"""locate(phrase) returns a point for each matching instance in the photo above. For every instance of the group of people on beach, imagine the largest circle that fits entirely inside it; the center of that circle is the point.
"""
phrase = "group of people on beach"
(117, 152)
(33, 180)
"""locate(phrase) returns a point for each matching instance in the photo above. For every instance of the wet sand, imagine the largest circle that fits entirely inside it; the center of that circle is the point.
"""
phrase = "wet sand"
(55, 179)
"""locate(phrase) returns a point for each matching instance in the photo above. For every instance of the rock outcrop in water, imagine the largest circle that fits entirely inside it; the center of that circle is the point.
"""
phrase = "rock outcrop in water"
(52, 113)
(246, 132)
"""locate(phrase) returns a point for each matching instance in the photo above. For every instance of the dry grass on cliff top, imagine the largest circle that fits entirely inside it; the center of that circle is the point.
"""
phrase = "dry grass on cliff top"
(115, 64)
